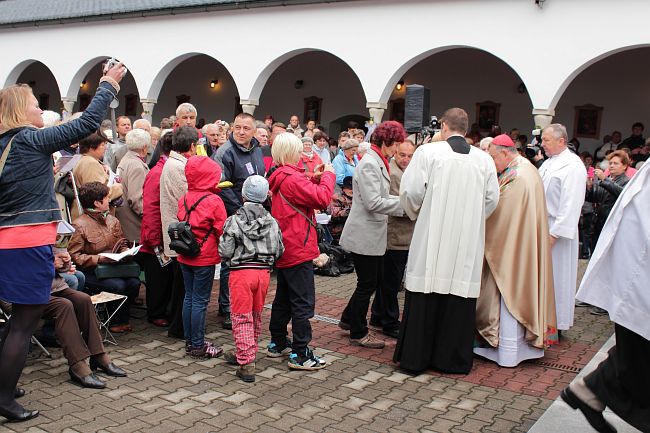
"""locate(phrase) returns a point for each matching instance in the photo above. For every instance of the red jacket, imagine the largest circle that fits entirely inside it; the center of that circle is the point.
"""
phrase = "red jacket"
(151, 230)
(203, 175)
(298, 235)
(310, 164)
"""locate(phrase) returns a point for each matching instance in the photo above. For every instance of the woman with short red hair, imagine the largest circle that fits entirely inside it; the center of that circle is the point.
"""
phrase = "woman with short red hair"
(365, 232)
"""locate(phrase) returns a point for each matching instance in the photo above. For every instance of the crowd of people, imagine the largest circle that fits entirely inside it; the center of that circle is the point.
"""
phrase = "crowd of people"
(483, 240)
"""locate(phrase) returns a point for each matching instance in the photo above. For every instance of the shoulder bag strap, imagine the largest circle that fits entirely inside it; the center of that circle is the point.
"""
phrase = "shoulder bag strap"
(5, 155)
(187, 217)
(298, 210)
(189, 211)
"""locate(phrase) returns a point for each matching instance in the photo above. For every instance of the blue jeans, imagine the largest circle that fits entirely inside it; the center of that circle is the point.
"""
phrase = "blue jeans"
(76, 281)
(198, 287)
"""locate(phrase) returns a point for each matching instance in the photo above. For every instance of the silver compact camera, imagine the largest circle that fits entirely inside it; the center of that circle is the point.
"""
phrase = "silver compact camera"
(111, 63)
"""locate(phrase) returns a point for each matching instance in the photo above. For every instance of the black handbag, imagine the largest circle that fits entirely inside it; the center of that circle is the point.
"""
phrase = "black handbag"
(183, 240)
(117, 270)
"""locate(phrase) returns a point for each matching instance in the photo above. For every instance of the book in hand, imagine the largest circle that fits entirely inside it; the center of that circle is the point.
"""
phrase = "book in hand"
(117, 257)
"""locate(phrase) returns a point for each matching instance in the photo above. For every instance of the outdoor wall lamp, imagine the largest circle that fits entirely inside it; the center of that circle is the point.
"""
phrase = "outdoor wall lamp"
(214, 83)
(400, 85)
(83, 84)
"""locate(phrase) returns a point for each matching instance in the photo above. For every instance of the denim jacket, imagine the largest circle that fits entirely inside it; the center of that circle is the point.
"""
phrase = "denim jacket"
(27, 181)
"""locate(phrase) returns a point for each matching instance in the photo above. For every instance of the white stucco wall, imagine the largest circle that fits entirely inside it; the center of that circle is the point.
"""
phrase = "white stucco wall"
(380, 40)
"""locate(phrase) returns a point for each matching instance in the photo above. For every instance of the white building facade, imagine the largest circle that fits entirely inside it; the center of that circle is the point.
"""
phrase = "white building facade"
(342, 60)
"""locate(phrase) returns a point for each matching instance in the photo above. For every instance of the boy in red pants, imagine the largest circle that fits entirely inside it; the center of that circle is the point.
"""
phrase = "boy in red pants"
(250, 244)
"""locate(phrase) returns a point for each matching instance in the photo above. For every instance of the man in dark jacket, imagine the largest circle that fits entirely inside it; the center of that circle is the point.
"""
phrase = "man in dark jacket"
(243, 158)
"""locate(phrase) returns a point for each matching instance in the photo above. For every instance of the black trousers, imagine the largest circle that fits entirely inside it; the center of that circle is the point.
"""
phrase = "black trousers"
(295, 300)
(370, 271)
(176, 307)
(622, 381)
(385, 308)
(437, 332)
(159, 285)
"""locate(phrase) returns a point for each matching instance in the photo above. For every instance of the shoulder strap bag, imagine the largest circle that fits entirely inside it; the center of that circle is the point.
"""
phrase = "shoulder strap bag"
(309, 220)
(5, 155)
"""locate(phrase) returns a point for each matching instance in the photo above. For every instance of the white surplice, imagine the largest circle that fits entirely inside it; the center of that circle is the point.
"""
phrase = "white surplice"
(451, 194)
(618, 273)
(565, 180)
(513, 347)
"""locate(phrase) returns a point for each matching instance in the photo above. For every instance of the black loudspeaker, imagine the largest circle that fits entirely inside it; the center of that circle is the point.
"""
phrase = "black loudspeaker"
(416, 108)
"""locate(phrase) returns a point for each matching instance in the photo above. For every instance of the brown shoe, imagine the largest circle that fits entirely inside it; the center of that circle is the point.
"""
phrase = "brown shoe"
(246, 372)
(369, 341)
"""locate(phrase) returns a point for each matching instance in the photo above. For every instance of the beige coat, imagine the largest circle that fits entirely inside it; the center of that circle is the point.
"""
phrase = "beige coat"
(87, 170)
(132, 170)
(400, 229)
(365, 230)
(518, 260)
(173, 185)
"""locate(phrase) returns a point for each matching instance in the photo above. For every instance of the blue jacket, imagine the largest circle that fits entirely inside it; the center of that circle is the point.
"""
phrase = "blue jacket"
(344, 168)
(27, 182)
(238, 163)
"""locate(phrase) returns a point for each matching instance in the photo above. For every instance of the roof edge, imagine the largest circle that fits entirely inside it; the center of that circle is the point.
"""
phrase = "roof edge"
(250, 4)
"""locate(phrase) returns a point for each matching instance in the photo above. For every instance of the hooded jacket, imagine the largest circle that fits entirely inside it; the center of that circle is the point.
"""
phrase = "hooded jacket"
(298, 234)
(203, 175)
(251, 238)
(151, 231)
(238, 163)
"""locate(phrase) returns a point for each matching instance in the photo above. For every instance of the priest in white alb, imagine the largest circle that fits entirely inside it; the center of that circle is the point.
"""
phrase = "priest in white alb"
(451, 188)
(515, 312)
(617, 280)
(565, 184)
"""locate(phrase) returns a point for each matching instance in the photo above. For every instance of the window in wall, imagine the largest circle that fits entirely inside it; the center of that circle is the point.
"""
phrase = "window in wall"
(313, 107)
(131, 104)
(587, 121)
(487, 114)
(44, 101)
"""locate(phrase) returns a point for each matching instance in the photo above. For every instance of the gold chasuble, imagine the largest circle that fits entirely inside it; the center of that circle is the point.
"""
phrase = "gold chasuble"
(517, 263)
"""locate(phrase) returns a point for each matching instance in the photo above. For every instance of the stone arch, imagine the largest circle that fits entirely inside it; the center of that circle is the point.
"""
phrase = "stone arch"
(15, 73)
(265, 74)
(399, 73)
(165, 71)
(576, 72)
(42, 80)
(81, 74)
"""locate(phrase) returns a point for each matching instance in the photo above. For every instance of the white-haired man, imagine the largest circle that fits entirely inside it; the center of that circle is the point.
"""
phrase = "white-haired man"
(211, 132)
(145, 125)
(515, 311)
(186, 115)
(565, 181)
(117, 150)
(294, 126)
(133, 170)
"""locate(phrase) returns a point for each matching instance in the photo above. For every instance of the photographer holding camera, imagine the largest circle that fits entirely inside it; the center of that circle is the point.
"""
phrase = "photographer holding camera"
(28, 217)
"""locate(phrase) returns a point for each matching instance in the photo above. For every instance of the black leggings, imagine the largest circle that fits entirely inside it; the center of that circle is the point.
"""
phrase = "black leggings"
(14, 347)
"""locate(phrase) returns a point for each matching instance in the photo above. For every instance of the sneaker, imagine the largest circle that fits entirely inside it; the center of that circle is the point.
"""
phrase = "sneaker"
(308, 361)
(344, 326)
(208, 351)
(596, 311)
(188, 348)
(582, 304)
(230, 357)
(369, 342)
(227, 321)
(246, 372)
(275, 351)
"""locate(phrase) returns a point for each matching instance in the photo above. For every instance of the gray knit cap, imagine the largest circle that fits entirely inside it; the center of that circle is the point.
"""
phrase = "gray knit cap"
(255, 189)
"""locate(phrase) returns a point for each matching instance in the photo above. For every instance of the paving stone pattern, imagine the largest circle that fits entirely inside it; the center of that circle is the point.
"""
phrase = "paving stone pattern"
(360, 391)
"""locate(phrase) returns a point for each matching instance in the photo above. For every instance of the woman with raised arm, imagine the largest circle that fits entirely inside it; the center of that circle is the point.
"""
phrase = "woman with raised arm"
(28, 218)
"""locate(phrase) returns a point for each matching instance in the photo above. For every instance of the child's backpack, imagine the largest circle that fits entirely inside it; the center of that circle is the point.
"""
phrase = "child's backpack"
(183, 240)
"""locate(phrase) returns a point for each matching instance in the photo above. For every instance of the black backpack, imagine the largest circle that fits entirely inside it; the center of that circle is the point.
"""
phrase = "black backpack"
(183, 240)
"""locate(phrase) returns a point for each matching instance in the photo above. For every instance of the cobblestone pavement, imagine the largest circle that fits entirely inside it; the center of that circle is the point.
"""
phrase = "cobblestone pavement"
(360, 391)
